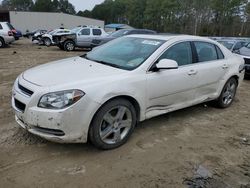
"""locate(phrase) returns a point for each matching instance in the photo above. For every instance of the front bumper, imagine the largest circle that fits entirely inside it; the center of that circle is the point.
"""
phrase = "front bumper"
(68, 125)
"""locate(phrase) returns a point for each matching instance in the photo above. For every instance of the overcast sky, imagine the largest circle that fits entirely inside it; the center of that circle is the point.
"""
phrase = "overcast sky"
(83, 4)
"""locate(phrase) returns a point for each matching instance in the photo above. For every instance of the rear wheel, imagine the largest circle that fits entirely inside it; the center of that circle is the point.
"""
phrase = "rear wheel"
(69, 46)
(2, 44)
(228, 93)
(113, 124)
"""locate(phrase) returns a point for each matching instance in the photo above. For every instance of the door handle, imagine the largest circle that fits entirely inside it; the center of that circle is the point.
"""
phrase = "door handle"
(192, 72)
(225, 66)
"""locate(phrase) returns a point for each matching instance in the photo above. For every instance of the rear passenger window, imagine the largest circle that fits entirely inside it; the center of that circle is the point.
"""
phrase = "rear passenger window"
(97, 32)
(238, 45)
(205, 51)
(219, 52)
(85, 32)
(1, 27)
(181, 53)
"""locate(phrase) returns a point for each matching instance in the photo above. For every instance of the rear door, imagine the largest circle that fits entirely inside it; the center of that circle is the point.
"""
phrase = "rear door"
(211, 68)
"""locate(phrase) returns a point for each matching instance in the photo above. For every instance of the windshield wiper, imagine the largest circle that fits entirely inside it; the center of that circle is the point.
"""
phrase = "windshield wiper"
(106, 63)
(101, 62)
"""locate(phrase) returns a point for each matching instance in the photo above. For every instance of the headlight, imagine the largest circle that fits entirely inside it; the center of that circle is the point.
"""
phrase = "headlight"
(61, 99)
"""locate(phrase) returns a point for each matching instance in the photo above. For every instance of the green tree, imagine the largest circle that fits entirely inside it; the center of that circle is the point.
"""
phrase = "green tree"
(19, 5)
(54, 6)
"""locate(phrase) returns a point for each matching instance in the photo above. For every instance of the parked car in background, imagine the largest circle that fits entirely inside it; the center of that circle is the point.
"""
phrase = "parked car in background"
(32, 33)
(38, 35)
(80, 37)
(125, 81)
(245, 53)
(232, 45)
(17, 34)
(120, 33)
(6, 35)
(47, 38)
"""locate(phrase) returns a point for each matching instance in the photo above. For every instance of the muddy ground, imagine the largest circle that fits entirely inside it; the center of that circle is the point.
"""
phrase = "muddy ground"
(166, 151)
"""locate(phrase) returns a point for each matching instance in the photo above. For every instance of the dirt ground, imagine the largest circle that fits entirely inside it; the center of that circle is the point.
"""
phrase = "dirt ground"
(166, 151)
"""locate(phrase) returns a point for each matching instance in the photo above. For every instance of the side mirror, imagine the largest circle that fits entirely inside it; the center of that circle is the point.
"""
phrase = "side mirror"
(166, 64)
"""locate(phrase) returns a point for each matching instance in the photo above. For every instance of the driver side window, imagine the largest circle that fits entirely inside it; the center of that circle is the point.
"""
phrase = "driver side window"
(85, 32)
(181, 53)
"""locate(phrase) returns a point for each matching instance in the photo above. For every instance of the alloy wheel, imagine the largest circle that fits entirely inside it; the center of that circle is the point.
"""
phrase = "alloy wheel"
(115, 125)
(229, 93)
(70, 46)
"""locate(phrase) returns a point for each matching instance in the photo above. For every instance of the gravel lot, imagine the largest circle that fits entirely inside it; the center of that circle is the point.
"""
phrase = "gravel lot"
(200, 145)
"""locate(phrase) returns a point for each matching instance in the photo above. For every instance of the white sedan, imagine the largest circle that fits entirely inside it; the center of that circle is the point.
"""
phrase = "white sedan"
(103, 94)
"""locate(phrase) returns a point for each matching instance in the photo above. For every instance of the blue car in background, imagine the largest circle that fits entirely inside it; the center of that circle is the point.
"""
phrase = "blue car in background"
(17, 34)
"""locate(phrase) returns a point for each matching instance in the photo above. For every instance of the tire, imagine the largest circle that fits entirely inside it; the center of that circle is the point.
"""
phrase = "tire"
(113, 124)
(228, 93)
(2, 43)
(69, 45)
(47, 41)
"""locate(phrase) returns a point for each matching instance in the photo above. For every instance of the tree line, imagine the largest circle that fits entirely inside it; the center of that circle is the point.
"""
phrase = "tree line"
(39, 6)
(199, 17)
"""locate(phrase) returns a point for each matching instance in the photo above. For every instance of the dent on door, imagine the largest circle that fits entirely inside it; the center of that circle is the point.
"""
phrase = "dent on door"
(169, 90)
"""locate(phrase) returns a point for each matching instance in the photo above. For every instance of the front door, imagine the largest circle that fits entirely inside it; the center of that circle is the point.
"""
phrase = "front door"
(172, 89)
(83, 38)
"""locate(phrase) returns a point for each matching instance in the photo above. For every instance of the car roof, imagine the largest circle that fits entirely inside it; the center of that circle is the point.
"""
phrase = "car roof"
(230, 40)
(170, 37)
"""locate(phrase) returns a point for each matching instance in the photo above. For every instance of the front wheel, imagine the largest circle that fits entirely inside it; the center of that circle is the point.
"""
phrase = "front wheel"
(69, 46)
(228, 93)
(113, 124)
(47, 41)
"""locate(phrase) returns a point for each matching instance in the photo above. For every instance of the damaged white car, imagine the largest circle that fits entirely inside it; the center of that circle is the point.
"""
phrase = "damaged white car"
(101, 96)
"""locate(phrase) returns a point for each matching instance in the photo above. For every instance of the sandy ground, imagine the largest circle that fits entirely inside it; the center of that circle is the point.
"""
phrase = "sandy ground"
(165, 151)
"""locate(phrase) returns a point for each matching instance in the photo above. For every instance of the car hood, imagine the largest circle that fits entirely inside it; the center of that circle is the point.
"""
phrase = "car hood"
(69, 71)
(245, 51)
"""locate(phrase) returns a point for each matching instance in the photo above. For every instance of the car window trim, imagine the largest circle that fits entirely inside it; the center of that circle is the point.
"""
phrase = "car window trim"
(215, 50)
(86, 29)
(218, 48)
(98, 30)
(149, 70)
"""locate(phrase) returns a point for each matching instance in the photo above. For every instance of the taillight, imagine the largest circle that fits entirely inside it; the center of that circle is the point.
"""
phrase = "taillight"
(10, 33)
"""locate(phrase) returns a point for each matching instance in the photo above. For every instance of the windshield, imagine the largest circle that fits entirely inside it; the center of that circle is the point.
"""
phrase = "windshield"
(75, 30)
(125, 53)
(227, 44)
(119, 33)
